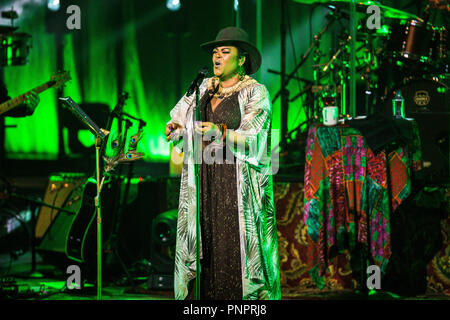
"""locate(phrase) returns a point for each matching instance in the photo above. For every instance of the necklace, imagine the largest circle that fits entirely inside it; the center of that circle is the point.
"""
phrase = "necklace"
(220, 92)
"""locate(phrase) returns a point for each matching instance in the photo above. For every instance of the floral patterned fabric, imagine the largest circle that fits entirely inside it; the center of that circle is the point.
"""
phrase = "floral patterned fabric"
(298, 252)
(347, 202)
(419, 264)
(438, 270)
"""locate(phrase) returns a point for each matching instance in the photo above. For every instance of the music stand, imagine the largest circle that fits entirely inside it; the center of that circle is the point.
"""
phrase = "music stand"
(99, 134)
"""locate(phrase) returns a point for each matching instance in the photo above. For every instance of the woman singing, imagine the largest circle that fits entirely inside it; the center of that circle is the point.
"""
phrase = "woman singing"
(239, 250)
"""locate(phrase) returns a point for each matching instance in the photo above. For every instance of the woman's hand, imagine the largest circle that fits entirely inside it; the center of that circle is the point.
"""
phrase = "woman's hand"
(31, 101)
(171, 130)
(207, 128)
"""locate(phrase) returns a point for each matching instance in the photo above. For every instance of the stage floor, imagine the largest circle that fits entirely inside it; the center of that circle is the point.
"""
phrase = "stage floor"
(50, 284)
(15, 273)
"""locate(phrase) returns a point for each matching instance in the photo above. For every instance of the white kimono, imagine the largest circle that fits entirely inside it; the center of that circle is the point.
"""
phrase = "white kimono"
(256, 213)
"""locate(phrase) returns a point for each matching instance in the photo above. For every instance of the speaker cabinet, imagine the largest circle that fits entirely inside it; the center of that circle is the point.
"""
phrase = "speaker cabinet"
(62, 189)
(154, 196)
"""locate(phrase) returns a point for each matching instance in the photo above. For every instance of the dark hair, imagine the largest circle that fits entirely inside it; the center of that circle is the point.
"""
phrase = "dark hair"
(241, 52)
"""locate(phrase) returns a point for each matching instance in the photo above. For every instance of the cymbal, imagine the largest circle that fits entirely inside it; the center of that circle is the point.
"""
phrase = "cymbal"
(361, 6)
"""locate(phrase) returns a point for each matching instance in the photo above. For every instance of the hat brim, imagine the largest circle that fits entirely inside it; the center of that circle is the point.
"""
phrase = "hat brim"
(253, 62)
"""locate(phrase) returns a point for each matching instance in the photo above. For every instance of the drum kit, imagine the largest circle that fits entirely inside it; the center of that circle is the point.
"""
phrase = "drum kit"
(420, 51)
(406, 54)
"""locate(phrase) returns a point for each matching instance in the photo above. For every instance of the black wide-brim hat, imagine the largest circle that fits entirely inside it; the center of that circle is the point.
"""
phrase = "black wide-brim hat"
(237, 37)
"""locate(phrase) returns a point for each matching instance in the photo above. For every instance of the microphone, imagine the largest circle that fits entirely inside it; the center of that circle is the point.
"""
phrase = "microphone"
(194, 84)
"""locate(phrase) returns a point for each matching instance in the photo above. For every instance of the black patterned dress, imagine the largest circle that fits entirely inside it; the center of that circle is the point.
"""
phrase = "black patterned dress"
(221, 276)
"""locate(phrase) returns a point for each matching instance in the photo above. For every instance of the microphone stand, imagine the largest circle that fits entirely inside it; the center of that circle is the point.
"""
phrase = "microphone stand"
(197, 116)
(98, 143)
(99, 134)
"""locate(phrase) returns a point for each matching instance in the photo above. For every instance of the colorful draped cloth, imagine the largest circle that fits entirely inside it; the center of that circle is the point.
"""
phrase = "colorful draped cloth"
(347, 198)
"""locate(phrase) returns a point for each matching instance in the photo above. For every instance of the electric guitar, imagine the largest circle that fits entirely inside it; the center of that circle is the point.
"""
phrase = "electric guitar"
(56, 81)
